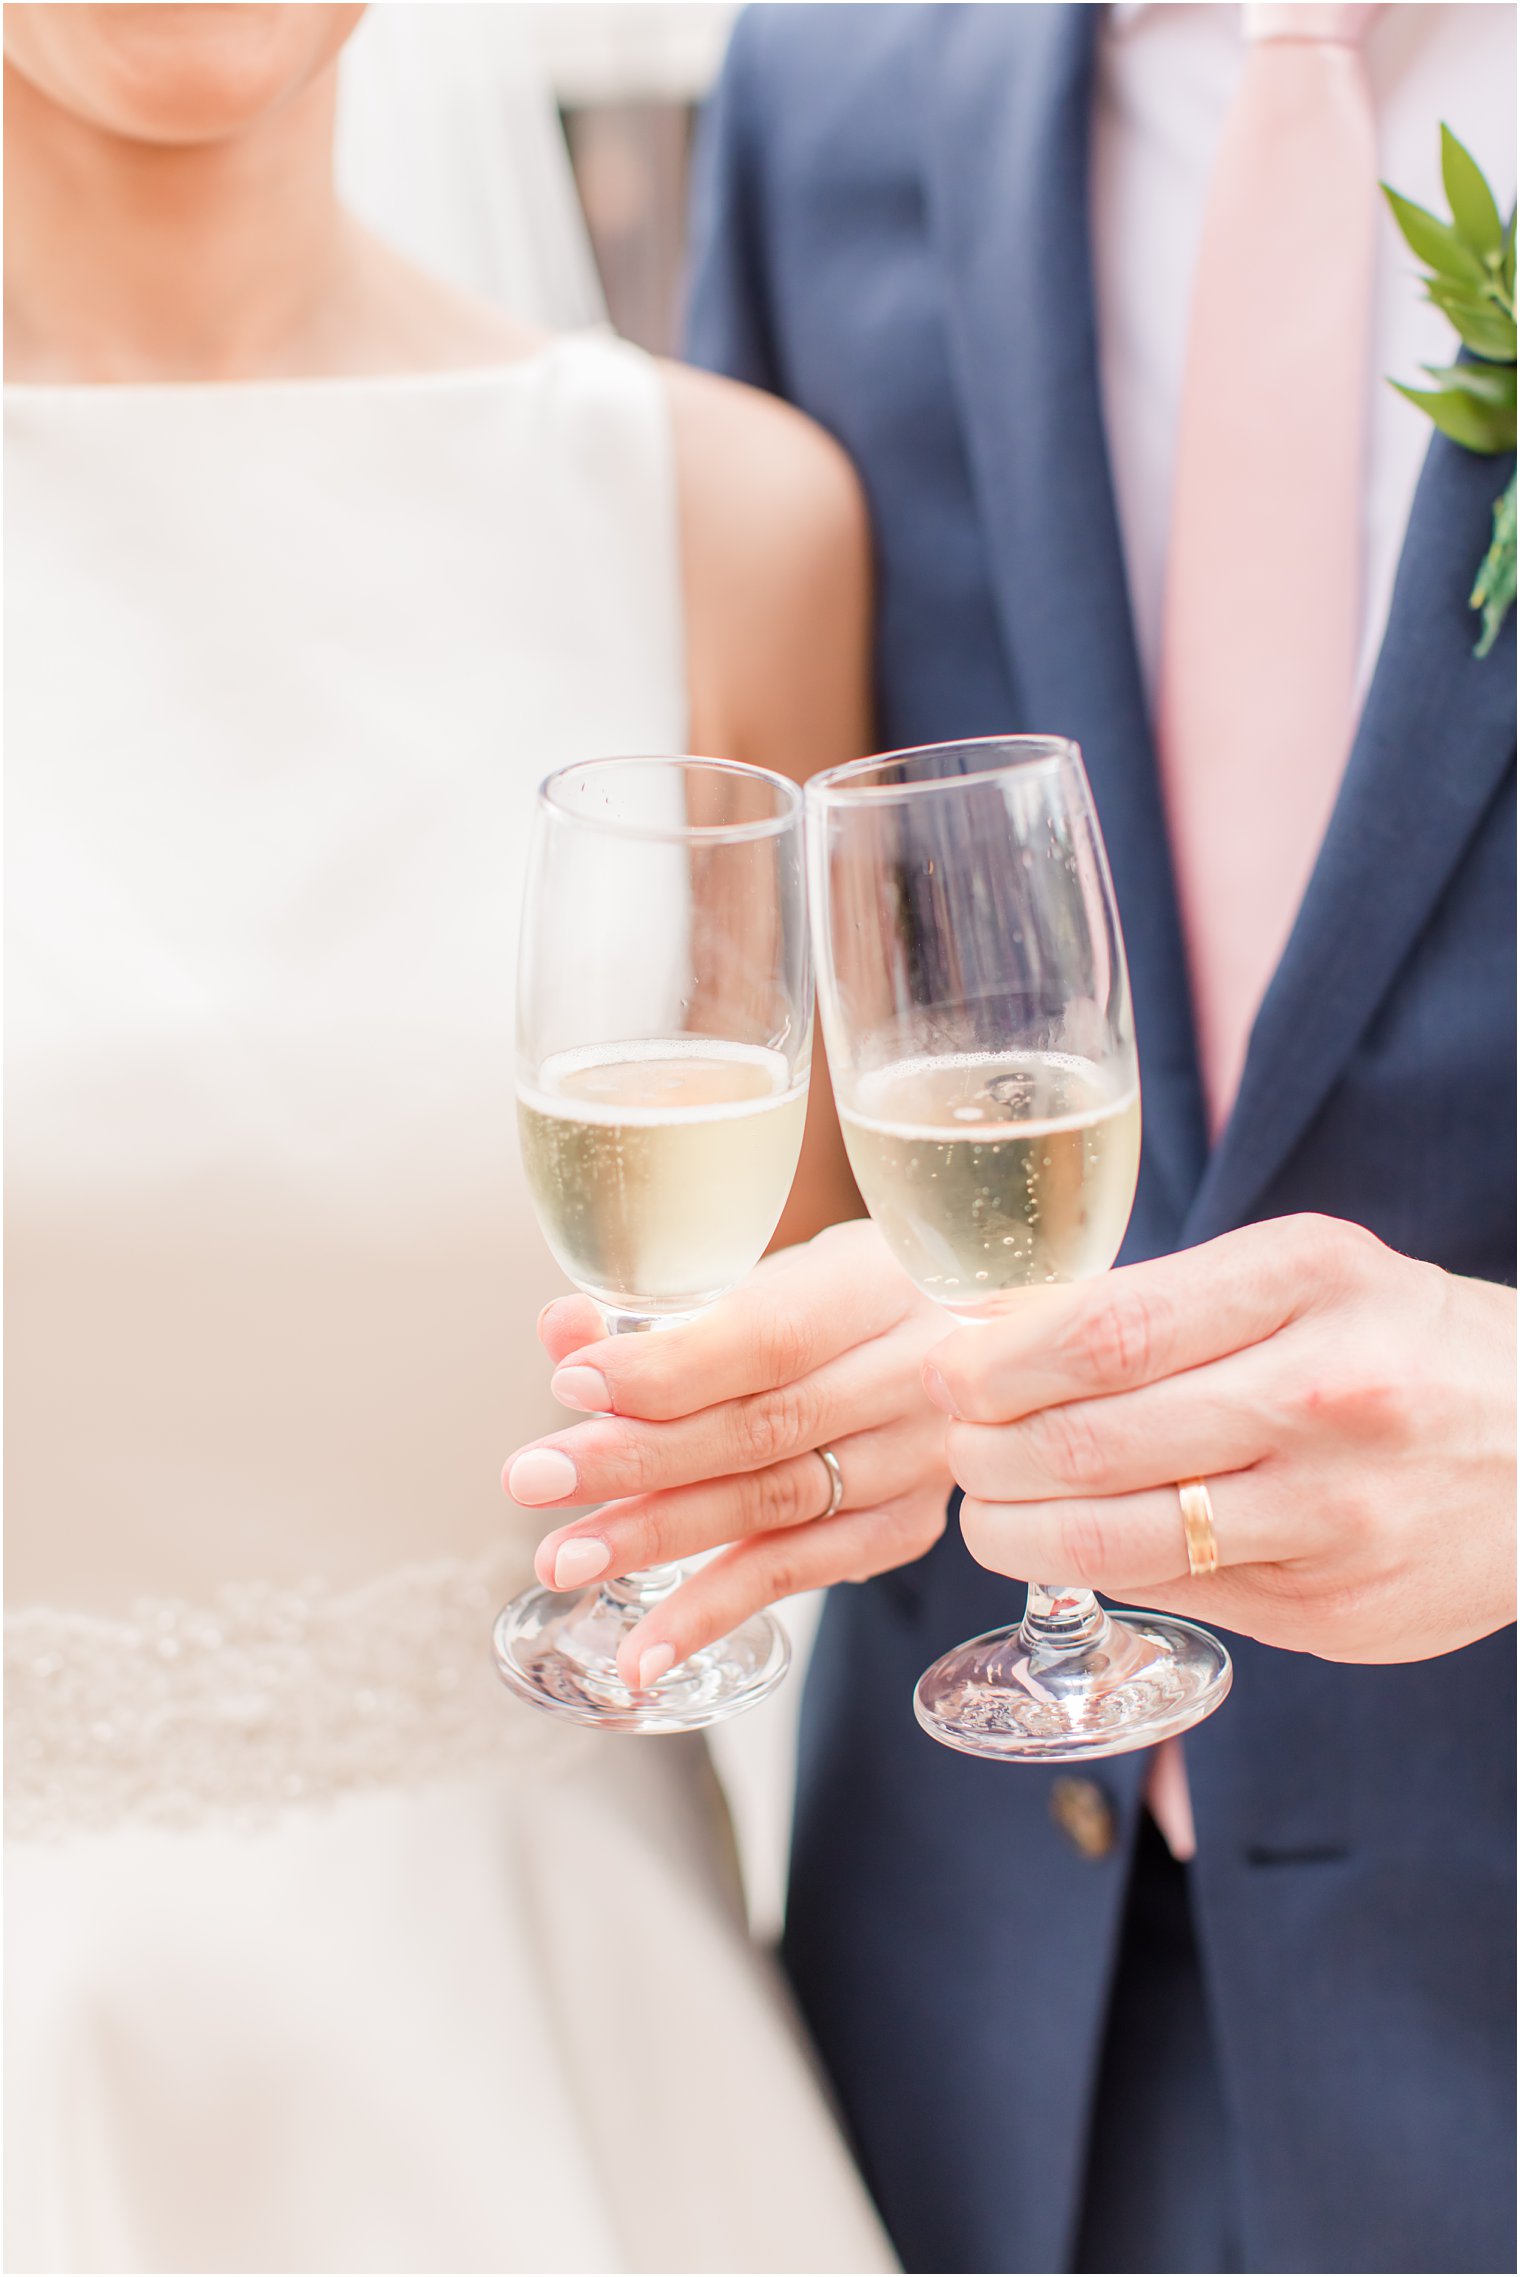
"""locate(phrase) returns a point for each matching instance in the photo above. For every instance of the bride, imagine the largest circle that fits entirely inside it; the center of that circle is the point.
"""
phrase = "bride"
(324, 1955)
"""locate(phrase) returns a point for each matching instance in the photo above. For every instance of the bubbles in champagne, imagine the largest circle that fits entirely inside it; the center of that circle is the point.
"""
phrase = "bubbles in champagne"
(994, 1171)
(659, 1169)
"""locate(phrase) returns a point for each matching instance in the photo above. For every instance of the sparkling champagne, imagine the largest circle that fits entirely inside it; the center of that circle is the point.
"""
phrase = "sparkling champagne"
(659, 1170)
(989, 1171)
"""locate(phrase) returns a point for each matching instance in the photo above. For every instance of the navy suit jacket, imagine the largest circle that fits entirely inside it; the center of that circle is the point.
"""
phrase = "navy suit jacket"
(891, 230)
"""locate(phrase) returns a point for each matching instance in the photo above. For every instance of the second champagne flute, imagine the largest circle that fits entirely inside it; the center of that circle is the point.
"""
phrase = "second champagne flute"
(976, 1009)
(665, 1021)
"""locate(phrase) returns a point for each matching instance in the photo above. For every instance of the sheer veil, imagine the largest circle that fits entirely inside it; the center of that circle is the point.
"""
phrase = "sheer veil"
(449, 147)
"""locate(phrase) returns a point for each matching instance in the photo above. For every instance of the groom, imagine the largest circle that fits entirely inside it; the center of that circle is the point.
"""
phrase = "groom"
(1137, 480)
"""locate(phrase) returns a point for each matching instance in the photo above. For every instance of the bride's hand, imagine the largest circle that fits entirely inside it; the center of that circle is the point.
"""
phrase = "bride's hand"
(705, 1435)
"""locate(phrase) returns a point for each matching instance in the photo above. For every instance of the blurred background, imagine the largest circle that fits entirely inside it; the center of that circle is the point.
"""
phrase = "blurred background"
(539, 154)
(536, 152)
(628, 79)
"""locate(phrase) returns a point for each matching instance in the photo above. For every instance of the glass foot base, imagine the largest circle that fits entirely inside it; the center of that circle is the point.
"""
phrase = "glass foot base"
(1144, 1679)
(559, 1653)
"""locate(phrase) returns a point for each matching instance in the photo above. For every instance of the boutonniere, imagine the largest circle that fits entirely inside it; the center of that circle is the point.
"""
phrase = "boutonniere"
(1472, 281)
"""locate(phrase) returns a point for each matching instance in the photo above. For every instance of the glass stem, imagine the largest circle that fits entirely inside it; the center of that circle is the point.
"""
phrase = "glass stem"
(641, 1591)
(1060, 1620)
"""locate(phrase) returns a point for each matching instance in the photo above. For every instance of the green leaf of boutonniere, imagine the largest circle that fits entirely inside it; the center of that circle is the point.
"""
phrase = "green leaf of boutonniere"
(1435, 241)
(1472, 263)
(1488, 383)
(1477, 426)
(1473, 211)
(1481, 324)
(1494, 592)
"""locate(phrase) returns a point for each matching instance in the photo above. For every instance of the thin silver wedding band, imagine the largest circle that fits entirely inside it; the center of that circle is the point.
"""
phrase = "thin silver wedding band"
(830, 1462)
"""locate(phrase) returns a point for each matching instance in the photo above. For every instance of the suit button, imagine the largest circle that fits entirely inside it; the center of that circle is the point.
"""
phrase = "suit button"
(1085, 1816)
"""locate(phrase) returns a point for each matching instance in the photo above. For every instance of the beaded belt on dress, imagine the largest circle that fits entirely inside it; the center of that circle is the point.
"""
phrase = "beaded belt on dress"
(260, 1698)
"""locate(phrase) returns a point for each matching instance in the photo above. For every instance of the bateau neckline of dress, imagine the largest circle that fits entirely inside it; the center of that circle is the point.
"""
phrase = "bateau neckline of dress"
(320, 385)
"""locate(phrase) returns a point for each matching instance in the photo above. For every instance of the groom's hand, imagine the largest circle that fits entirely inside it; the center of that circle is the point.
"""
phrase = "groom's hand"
(1351, 1410)
(705, 1436)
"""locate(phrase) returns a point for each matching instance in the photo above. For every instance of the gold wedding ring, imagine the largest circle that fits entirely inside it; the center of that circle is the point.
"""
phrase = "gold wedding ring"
(830, 1462)
(1198, 1526)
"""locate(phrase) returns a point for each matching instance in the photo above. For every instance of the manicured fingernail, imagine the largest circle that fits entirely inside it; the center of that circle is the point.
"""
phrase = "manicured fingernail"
(580, 1560)
(585, 1388)
(543, 1474)
(938, 1390)
(658, 1661)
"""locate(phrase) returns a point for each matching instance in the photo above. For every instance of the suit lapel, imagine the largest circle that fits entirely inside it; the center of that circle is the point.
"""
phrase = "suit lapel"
(1007, 173)
(1436, 739)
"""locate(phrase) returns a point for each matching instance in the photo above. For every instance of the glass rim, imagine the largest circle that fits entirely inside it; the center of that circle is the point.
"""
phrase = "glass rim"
(843, 786)
(677, 834)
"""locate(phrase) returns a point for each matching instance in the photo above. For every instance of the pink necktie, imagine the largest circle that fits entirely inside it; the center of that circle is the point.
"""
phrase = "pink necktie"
(1263, 595)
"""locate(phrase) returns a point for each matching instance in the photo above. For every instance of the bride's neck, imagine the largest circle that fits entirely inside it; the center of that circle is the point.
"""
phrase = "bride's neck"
(133, 261)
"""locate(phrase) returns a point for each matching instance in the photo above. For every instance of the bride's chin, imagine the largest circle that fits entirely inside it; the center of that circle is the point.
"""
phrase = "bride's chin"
(173, 74)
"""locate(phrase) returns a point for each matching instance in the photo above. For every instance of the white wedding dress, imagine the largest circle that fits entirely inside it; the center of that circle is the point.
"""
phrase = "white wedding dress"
(323, 1953)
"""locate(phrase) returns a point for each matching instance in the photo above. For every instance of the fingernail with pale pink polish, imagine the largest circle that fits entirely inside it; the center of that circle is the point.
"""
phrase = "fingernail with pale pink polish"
(586, 1388)
(580, 1561)
(658, 1661)
(938, 1390)
(542, 1474)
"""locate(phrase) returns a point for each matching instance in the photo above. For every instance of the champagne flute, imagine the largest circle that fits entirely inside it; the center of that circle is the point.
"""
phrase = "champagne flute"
(665, 1020)
(977, 1014)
